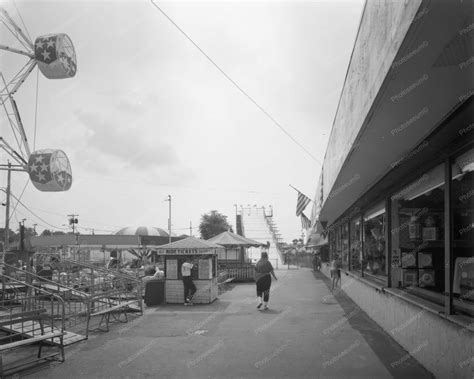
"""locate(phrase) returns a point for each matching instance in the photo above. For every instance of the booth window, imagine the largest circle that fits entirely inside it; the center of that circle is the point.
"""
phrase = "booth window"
(355, 244)
(418, 235)
(232, 254)
(374, 242)
(463, 231)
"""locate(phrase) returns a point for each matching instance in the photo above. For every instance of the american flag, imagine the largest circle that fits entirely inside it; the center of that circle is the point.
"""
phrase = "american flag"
(302, 202)
(305, 221)
(39, 168)
(45, 49)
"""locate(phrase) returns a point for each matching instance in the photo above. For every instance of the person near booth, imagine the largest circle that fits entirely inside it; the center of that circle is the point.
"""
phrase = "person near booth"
(189, 287)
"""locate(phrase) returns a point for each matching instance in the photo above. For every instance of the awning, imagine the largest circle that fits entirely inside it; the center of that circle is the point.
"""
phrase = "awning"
(232, 239)
(316, 240)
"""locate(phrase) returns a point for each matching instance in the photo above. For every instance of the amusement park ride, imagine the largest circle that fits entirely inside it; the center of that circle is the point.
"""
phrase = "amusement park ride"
(48, 169)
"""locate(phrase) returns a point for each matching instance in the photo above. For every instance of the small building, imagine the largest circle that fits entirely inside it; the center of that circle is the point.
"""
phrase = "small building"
(204, 256)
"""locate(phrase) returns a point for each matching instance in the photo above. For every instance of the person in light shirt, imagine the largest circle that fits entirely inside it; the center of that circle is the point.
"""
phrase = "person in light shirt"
(189, 287)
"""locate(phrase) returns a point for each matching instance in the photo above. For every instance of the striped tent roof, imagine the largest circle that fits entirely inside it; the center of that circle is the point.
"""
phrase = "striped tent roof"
(142, 231)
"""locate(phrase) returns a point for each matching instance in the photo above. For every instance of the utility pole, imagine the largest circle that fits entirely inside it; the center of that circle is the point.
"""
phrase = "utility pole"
(73, 221)
(7, 210)
(190, 228)
(34, 228)
(169, 218)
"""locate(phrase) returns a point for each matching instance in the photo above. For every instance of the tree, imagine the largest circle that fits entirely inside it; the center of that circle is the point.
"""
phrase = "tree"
(46, 232)
(212, 224)
(11, 235)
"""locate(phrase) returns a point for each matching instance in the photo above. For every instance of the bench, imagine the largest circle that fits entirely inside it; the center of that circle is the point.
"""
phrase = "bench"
(24, 325)
(105, 313)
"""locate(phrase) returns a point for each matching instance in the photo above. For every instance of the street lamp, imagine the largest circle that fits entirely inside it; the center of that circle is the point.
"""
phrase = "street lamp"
(169, 218)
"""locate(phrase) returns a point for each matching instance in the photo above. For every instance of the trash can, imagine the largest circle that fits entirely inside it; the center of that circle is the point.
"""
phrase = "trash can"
(155, 292)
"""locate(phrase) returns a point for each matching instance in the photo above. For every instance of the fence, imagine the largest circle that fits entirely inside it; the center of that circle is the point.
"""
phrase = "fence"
(75, 300)
(29, 315)
(86, 290)
(240, 272)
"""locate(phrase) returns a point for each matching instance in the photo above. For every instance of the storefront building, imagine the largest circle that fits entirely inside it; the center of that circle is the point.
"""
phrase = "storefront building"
(395, 197)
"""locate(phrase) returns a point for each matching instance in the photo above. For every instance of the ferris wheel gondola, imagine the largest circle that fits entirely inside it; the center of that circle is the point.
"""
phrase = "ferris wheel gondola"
(54, 54)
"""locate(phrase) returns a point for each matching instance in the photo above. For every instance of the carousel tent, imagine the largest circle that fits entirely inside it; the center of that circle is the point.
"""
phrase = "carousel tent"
(142, 231)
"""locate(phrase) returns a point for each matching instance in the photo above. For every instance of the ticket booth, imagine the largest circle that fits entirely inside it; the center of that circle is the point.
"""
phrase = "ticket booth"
(203, 255)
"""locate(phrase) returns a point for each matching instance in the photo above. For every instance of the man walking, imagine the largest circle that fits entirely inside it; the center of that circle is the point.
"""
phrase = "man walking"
(189, 287)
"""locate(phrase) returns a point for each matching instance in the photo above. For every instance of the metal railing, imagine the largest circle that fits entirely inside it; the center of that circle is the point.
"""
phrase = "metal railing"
(238, 271)
(75, 300)
(85, 289)
(19, 298)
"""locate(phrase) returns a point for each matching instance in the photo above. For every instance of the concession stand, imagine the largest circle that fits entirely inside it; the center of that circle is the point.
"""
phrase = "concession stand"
(203, 255)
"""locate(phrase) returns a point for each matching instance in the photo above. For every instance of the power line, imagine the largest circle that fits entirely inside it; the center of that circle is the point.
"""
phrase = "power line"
(237, 86)
(18, 199)
(34, 214)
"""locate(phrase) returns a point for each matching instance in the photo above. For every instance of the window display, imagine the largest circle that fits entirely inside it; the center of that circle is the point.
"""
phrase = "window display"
(418, 231)
(463, 228)
(345, 246)
(356, 257)
(374, 241)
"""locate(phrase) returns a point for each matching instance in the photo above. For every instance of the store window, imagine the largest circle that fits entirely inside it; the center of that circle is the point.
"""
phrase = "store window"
(345, 246)
(338, 241)
(418, 235)
(332, 244)
(356, 257)
(374, 241)
(463, 231)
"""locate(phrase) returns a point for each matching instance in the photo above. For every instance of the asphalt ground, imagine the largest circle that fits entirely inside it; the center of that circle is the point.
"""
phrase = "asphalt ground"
(308, 332)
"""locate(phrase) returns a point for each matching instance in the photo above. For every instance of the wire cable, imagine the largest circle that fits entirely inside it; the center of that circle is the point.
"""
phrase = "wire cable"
(34, 214)
(22, 192)
(237, 86)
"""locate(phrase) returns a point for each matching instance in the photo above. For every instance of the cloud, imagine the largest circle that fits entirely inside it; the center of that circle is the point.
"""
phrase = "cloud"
(136, 147)
(137, 104)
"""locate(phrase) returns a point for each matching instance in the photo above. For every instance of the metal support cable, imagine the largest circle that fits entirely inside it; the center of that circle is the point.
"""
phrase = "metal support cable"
(237, 85)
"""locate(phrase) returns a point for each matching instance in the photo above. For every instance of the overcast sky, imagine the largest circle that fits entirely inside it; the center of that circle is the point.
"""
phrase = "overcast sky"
(148, 115)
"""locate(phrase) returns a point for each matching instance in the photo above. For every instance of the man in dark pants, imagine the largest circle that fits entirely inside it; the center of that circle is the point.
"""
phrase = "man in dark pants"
(189, 287)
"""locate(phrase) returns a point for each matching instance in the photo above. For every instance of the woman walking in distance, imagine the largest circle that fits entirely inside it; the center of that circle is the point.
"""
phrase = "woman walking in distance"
(263, 270)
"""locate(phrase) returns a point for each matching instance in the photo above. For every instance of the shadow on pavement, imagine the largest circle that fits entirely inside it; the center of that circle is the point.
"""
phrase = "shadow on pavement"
(271, 311)
(398, 362)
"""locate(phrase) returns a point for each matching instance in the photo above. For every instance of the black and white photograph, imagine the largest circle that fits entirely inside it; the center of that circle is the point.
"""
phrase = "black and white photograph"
(240, 189)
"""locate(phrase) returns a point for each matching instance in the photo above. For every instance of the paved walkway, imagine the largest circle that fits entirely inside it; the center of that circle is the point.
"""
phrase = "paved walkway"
(307, 333)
